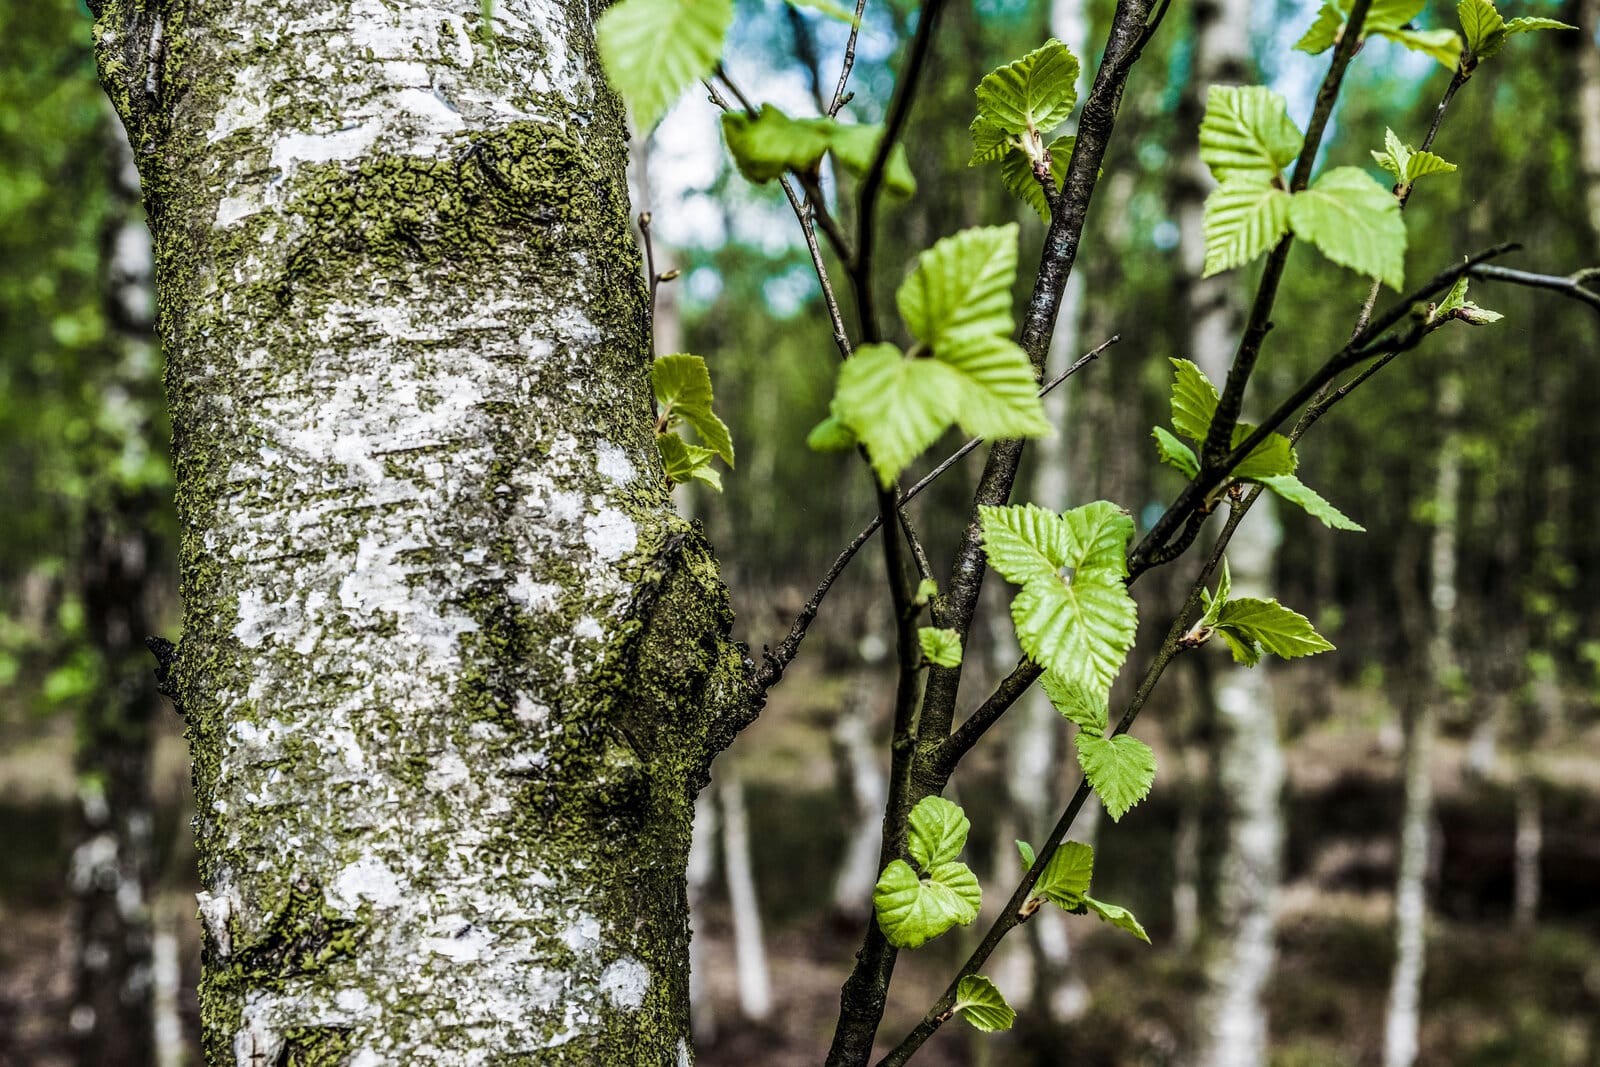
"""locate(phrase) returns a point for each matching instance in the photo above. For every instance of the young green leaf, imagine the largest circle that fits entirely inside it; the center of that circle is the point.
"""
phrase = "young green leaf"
(682, 387)
(1355, 222)
(1247, 134)
(1073, 614)
(895, 406)
(1174, 453)
(1325, 31)
(1303, 496)
(831, 435)
(961, 287)
(927, 589)
(999, 395)
(1530, 23)
(1120, 768)
(942, 648)
(686, 463)
(979, 1002)
(855, 147)
(1065, 879)
(1273, 457)
(912, 911)
(1194, 400)
(653, 50)
(990, 142)
(1243, 219)
(1456, 305)
(1407, 164)
(938, 831)
(828, 8)
(1080, 704)
(1017, 175)
(1035, 94)
(1443, 45)
(1117, 916)
(1272, 627)
(1025, 850)
(1483, 26)
(1215, 603)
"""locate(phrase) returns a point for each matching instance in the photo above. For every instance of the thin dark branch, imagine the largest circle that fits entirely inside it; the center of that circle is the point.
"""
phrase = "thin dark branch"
(1260, 321)
(905, 91)
(841, 337)
(849, 62)
(1568, 285)
(1369, 344)
(805, 50)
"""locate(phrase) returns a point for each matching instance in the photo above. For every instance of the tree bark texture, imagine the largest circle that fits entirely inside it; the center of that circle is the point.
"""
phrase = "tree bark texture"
(449, 661)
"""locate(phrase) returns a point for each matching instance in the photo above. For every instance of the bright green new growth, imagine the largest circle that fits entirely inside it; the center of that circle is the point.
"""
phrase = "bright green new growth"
(653, 50)
(1271, 463)
(1455, 305)
(1086, 707)
(1252, 627)
(1486, 30)
(772, 143)
(1247, 140)
(1065, 883)
(828, 8)
(979, 1002)
(1120, 768)
(964, 369)
(1073, 614)
(682, 387)
(1385, 18)
(1019, 106)
(942, 648)
(1406, 163)
(912, 910)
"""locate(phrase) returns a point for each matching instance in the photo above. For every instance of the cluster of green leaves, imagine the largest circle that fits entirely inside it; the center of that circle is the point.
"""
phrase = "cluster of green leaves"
(1252, 627)
(1019, 106)
(1247, 140)
(1271, 463)
(964, 368)
(682, 387)
(1394, 19)
(1487, 31)
(1072, 614)
(1455, 305)
(914, 908)
(769, 144)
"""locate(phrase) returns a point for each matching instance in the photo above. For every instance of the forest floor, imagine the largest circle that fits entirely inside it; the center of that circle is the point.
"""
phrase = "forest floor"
(1494, 996)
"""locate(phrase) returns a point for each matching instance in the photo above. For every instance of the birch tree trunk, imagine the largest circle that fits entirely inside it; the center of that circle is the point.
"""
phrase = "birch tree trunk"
(449, 663)
(1403, 1022)
(1232, 1030)
(112, 865)
(1589, 107)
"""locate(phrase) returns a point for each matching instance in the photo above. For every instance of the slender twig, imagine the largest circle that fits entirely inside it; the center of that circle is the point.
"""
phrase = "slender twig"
(1569, 285)
(1259, 323)
(1402, 189)
(872, 182)
(849, 62)
(841, 336)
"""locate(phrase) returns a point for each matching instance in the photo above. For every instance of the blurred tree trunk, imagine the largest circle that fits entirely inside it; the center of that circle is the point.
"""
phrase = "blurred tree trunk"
(864, 786)
(1232, 1029)
(111, 1019)
(744, 903)
(1589, 107)
(452, 669)
(1403, 1023)
(701, 869)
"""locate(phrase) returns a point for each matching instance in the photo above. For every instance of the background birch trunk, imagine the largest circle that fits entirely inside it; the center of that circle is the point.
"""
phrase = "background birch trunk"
(449, 661)
(1404, 1019)
(119, 574)
(1231, 1028)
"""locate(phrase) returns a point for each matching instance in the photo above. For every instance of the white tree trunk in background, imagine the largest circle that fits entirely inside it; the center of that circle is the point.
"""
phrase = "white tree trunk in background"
(1529, 845)
(865, 787)
(749, 945)
(702, 868)
(1589, 106)
(1232, 1030)
(451, 666)
(1403, 1023)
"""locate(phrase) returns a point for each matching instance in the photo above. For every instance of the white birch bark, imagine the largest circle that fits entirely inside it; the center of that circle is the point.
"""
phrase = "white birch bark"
(1232, 1026)
(449, 662)
(1402, 1024)
(1528, 847)
(702, 867)
(866, 787)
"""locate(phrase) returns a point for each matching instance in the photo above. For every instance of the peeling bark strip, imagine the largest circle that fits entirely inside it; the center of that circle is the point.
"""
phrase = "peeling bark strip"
(449, 660)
